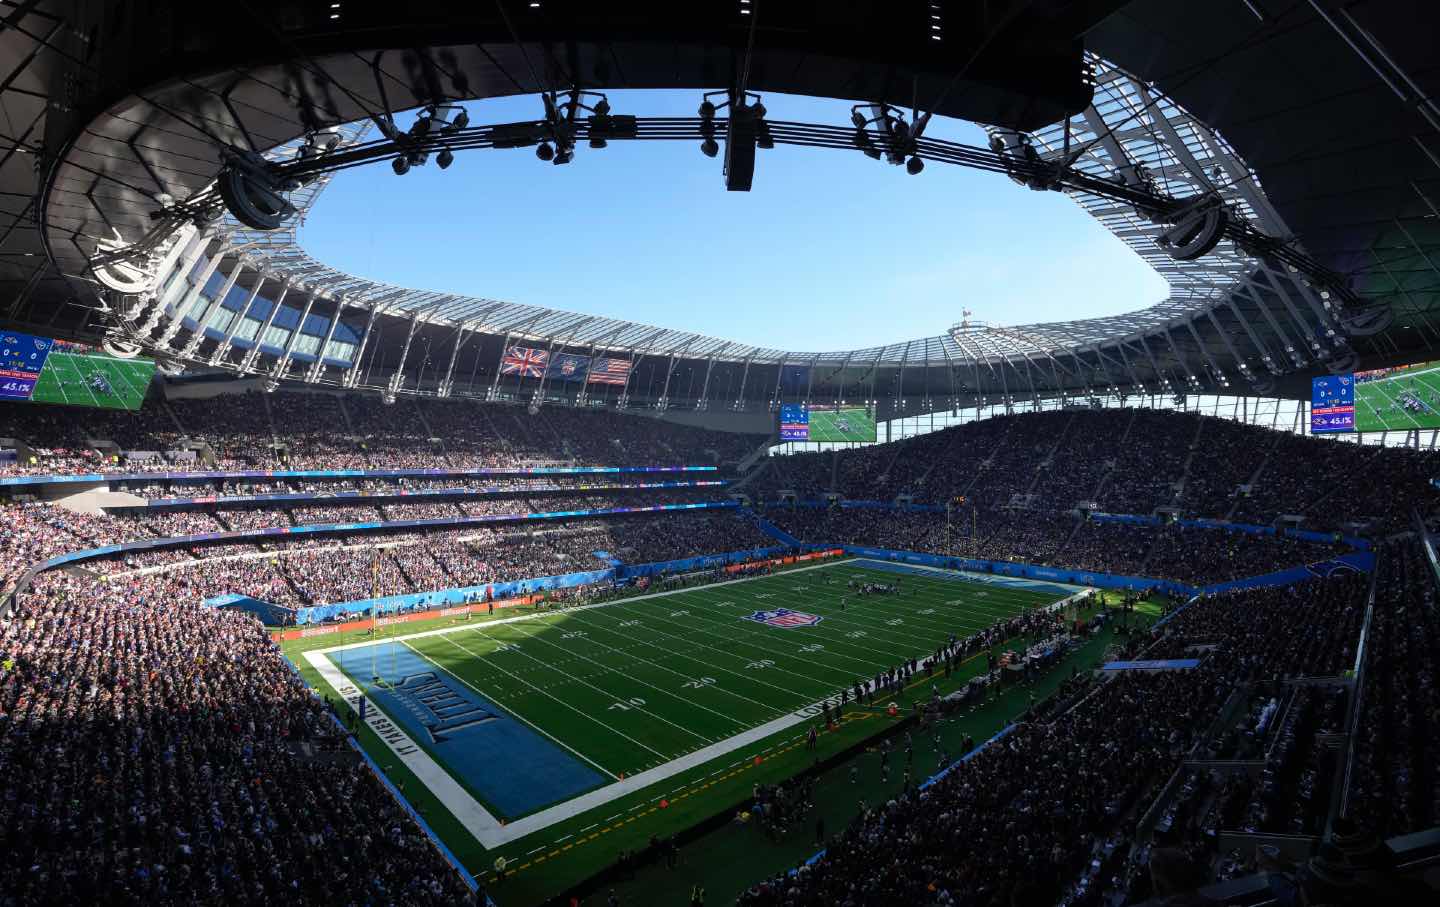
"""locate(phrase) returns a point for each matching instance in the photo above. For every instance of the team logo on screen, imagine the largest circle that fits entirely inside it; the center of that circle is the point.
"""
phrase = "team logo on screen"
(784, 618)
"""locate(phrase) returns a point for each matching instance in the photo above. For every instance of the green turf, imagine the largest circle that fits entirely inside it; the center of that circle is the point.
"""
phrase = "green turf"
(1376, 402)
(65, 379)
(704, 674)
(839, 425)
(735, 856)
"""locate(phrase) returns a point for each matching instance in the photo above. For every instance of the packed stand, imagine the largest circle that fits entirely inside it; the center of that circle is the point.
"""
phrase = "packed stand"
(1396, 782)
(157, 751)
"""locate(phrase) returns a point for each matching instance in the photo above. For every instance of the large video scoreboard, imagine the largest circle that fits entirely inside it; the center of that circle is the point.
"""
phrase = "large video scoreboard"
(41, 370)
(22, 358)
(835, 423)
(1403, 398)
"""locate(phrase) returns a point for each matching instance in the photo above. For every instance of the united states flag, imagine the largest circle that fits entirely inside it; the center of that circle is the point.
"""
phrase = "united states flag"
(609, 371)
(524, 361)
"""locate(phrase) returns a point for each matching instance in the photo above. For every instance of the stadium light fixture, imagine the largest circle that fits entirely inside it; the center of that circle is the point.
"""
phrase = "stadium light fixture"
(745, 131)
(544, 151)
(401, 165)
(444, 159)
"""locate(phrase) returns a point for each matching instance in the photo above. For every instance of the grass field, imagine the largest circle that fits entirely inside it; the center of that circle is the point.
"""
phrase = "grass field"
(1377, 403)
(66, 379)
(846, 424)
(606, 724)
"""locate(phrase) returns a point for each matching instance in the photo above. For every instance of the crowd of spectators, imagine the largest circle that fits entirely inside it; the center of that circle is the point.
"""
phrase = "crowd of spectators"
(297, 430)
(1396, 788)
(1046, 814)
(158, 751)
(1132, 461)
(310, 571)
(1193, 555)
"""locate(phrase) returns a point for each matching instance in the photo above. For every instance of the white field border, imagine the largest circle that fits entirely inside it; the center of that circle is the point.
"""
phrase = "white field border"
(470, 813)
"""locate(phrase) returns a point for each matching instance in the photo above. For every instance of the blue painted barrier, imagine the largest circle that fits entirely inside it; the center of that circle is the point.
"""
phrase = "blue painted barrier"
(217, 475)
(1024, 571)
(247, 535)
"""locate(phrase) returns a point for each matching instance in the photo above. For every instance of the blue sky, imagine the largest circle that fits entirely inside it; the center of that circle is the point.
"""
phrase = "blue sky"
(831, 250)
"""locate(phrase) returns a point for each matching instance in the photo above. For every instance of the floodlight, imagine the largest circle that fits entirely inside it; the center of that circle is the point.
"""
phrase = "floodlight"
(710, 147)
(444, 159)
(914, 165)
(544, 151)
(564, 156)
(707, 109)
(401, 165)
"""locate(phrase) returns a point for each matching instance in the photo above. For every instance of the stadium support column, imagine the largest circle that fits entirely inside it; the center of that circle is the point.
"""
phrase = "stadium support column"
(979, 396)
(283, 365)
(1205, 354)
(188, 253)
(193, 344)
(1286, 344)
(664, 401)
(352, 374)
(184, 305)
(739, 404)
(704, 402)
(495, 383)
(248, 362)
(624, 400)
(779, 379)
(317, 367)
(1135, 382)
(397, 380)
(448, 381)
(222, 349)
(1005, 386)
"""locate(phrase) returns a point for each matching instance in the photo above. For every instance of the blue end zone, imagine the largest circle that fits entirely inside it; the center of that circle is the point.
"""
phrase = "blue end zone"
(512, 768)
(964, 576)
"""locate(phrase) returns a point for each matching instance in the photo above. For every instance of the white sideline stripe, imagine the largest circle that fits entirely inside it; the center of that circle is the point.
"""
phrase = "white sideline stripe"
(487, 828)
(477, 820)
(471, 625)
(1014, 582)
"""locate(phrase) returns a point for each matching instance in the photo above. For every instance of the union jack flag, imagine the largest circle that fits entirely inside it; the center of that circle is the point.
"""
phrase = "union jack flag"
(609, 371)
(524, 361)
(784, 618)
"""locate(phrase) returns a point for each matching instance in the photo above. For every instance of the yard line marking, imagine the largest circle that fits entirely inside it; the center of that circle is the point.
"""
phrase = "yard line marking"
(579, 679)
(567, 705)
(683, 653)
(665, 692)
(743, 639)
(512, 711)
(826, 684)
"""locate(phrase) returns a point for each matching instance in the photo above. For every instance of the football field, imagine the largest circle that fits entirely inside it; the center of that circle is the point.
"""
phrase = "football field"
(1401, 401)
(521, 723)
(66, 378)
(850, 424)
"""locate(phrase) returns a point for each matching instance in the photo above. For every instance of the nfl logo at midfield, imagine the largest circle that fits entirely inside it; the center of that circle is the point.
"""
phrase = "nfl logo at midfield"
(784, 618)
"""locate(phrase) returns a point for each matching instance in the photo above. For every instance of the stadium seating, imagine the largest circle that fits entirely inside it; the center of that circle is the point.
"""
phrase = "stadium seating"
(1134, 461)
(157, 751)
(1194, 556)
(135, 673)
(324, 431)
(1047, 814)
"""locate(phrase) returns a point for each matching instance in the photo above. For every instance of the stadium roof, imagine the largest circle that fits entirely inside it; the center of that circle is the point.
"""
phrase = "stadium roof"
(1129, 127)
(1330, 109)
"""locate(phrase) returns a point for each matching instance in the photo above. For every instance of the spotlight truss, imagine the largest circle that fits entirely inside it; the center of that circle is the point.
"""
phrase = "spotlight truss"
(253, 189)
